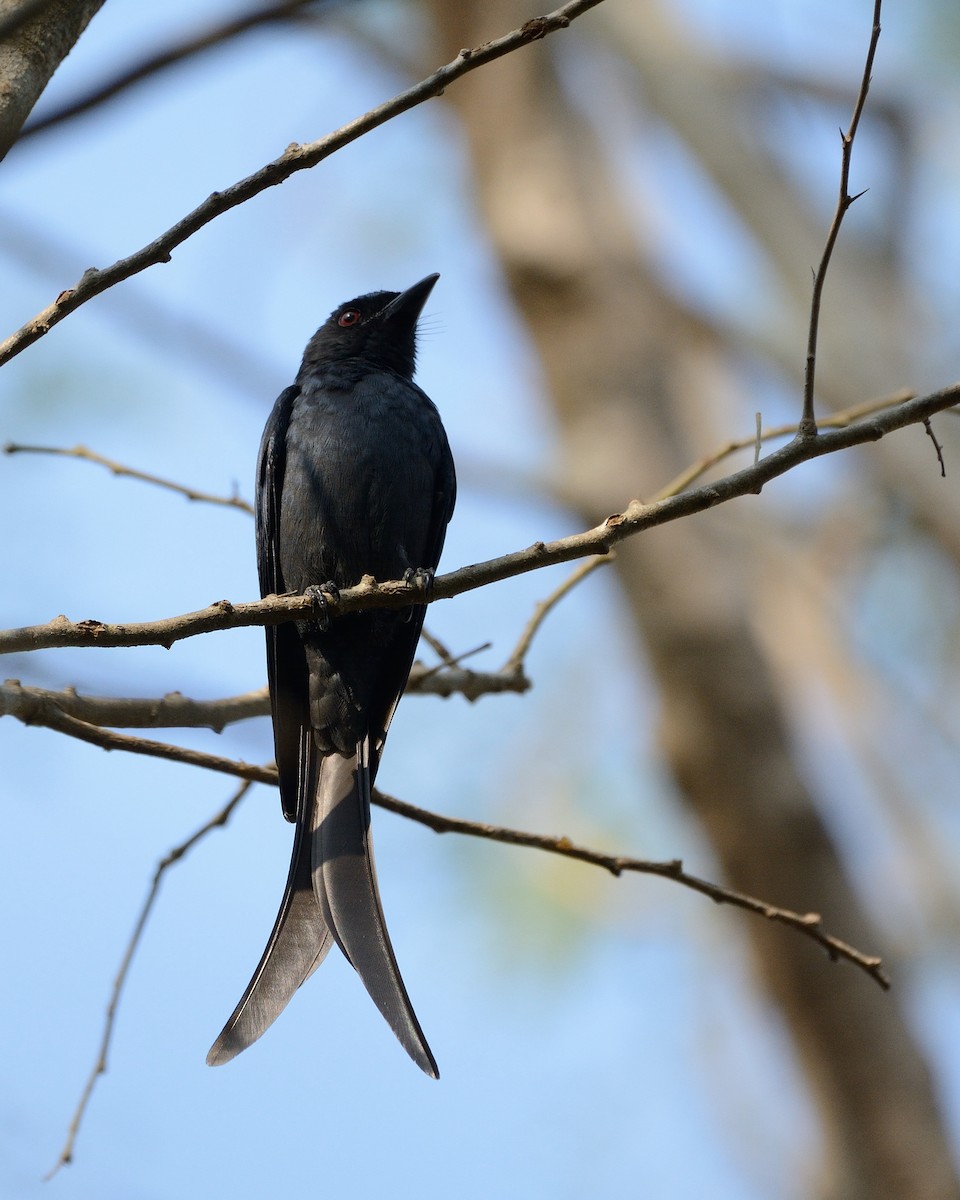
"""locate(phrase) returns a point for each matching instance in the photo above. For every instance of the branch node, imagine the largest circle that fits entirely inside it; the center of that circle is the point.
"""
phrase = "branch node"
(91, 626)
(533, 30)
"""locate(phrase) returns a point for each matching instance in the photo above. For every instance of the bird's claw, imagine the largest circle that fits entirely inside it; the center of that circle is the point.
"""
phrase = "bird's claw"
(318, 601)
(419, 577)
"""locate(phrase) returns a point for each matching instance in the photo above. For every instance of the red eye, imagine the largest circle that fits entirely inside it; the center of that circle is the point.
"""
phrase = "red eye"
(350, 317)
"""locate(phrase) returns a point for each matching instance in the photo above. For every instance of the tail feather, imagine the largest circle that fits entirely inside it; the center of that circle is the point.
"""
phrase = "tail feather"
(345, 885)
(298, 944)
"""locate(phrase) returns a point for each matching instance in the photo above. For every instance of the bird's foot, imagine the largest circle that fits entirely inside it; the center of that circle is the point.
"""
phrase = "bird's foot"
(318, 601)
(420, 578)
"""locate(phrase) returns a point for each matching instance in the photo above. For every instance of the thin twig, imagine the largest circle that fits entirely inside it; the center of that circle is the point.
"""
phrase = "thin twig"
(928, 426)
(51, 717)
(439, 649)
(368, 594)
(234, 361)
(294, 158)
(808, 422)
(807, 923)
(449, 662)
(837, 420)
(100, 1066)
(117, 468)
(191, 47)
(515, 663)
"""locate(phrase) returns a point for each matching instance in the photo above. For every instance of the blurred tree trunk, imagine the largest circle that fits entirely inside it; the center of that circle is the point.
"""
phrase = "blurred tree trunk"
(622, 362)
(30, 55)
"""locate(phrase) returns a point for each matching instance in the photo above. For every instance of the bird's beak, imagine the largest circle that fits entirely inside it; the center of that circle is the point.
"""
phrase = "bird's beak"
(405, 310)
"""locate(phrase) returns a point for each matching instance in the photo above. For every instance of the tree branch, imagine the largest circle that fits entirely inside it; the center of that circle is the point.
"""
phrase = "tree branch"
(369, 594)
(294, 158)
(172, 711)
(51, 717)
(35, 37)
(837, 420)
(808, 422)
(807, 923)
(176, 711)
(514, 664)
(100, 1066)
(82, 452)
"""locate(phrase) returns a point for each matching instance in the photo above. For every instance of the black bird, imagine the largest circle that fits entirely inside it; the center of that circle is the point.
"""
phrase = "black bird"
(355, 478)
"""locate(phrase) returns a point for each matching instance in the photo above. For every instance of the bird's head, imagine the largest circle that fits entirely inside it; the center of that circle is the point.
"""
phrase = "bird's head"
(379, 328)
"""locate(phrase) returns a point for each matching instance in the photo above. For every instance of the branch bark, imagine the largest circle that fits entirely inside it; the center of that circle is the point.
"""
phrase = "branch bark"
(810, 924)
(34, 39)
(636, 517)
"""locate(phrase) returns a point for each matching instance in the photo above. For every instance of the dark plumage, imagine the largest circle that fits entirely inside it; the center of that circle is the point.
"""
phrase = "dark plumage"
(355, 478)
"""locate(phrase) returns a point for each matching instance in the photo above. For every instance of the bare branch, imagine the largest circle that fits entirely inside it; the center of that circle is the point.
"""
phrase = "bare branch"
(294, 158)
(218, 821)
(808, 422)
(928, 426)
(514, 664)
(806, 923)
(837, 420)
(809, 924)
(232, 361)
(35, 37)
(369, 594)
(51, 717)
(176, 711)
(82, 452)
(172, 711)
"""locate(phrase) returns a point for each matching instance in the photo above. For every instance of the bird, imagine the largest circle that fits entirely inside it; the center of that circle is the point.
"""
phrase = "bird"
(355, 477)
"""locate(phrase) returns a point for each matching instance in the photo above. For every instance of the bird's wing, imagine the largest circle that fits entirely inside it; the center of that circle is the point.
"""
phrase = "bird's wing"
(286, 664)
(345, 885)
(297, 945)
(300, 937)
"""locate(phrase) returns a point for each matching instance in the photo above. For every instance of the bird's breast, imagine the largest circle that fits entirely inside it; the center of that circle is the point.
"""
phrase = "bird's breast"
(359, 482)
